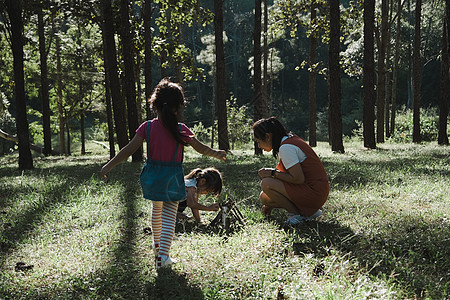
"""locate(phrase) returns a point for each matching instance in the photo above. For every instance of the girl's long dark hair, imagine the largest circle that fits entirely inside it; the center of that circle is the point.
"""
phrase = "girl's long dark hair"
(212, 176)
(168, 98)
(270, 125)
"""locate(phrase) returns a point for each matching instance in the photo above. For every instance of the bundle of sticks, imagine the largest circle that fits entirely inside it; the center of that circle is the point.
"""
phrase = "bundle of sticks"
(228, 217)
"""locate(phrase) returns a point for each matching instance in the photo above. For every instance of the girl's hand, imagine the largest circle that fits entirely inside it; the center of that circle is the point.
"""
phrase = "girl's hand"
(222, 155)
(104, 171)
(214, 207)
(265, 172)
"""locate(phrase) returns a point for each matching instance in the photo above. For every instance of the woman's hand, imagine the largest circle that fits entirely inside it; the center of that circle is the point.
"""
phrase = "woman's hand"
(265, 172)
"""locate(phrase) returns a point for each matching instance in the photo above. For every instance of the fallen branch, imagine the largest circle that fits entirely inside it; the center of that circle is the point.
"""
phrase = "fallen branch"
(100, 143)
(15, 139)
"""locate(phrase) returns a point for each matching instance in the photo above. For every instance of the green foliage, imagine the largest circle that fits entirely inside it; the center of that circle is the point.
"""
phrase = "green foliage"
(239, 123)
(429, 120)
(201, 133)
(173, 17)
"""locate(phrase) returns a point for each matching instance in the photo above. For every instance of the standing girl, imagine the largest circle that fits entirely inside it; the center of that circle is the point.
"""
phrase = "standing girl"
(299, 183)
(162, 176)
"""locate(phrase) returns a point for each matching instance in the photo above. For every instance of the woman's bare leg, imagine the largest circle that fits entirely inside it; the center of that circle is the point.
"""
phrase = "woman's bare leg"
(274, 195)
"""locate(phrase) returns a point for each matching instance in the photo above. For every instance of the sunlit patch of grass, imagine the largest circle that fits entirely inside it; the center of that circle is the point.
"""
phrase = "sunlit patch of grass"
(383, 235)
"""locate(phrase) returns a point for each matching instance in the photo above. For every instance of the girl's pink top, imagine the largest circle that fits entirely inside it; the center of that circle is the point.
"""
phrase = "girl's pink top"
(162, 143)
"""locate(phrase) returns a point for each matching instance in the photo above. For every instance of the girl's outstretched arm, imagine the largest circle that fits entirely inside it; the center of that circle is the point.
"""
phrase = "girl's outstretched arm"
(123, 154)
(206, 150)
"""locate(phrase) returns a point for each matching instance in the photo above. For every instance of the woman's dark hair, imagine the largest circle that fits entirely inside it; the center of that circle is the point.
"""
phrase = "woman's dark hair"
(211, 175)
(273, 126)
(168, 98)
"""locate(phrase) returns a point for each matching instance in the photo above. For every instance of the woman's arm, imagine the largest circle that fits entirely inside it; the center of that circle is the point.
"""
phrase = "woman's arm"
(123, 154)
(293, 175)
(205, 150)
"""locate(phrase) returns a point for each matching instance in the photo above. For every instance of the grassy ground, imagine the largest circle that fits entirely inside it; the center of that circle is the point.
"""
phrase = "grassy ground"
(384, 233)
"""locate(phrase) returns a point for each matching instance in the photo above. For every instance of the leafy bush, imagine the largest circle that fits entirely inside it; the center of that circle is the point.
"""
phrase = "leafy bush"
(429, 120)
(403, 131)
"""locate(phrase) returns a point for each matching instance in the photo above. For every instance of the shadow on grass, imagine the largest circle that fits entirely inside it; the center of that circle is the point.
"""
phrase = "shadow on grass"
(171, 285)
(412, 253)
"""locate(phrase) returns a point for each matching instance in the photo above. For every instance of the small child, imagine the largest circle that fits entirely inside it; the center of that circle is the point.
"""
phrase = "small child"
(166, 139)
(200, 182)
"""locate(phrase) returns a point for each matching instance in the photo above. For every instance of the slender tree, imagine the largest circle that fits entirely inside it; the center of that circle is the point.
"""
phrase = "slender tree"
(334, 90)
(220, 76)
(312, 80)
(109, 47)
(381, 92)
(14, 10)
(148, 12)
(45, 100)
(59, 95)
(266, 53)
(445, 81)
(259, 108)
(395, 66)
(417, 73)
(129, 82)
(369, 76)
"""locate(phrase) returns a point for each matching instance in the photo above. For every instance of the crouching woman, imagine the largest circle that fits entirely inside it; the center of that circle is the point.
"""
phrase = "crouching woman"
(299, 184)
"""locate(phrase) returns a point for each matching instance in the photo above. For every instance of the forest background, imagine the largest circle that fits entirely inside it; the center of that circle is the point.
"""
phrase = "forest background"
(66, 47)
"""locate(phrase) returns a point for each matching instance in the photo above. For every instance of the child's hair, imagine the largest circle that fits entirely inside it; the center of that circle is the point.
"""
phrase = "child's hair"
(273, 126)
(168, 98)
(211, 175)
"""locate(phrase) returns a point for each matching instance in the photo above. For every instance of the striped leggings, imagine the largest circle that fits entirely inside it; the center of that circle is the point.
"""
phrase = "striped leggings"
(164, 216)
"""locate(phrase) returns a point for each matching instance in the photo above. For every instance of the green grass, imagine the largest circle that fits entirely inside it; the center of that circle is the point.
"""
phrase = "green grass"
(384, 234)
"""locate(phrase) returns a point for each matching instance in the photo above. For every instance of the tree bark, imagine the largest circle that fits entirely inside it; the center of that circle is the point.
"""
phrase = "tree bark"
(443, 105)
(44, 84)
(62, 143)
(417, 74)
(335, 94)
(148, 11)
(129, 82)
(381, 92)
(220, 76)
(312, 82)
(259, 109)
(395, 66)
(266, 54)
(369, 76)
(109, 47)
(14, 9)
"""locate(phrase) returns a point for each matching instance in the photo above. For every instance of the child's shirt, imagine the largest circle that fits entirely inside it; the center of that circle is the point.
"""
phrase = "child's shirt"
(162, 143)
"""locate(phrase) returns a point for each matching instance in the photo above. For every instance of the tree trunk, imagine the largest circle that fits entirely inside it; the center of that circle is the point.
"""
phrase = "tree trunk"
(266, 54)
(417, 74)
(334, 94)
(381, 92)
(443, 105)
(220, 75)
(259, 109)
(369, 76)
(312, 82)
(81, 94)
(44, 85)
(62, 143)
(14, 9)
(395, 67)
(213, 111)
(129, 82)
(109, 47)
(148, 11)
